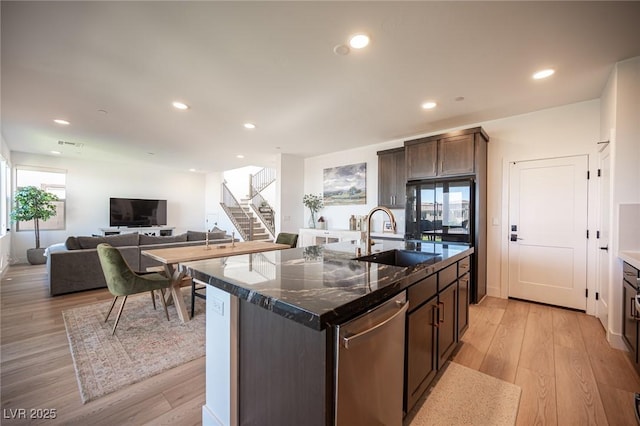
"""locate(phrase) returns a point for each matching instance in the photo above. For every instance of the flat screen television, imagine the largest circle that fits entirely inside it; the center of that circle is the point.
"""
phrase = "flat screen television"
(137, 212)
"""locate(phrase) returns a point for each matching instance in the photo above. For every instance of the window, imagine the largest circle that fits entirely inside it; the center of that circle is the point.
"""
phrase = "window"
(51, 180)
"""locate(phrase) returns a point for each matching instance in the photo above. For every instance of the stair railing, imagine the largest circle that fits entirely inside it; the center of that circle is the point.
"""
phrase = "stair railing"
(259, 204)
(261, 180)
(241, 220)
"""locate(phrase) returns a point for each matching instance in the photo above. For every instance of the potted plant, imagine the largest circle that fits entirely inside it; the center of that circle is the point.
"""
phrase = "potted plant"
(314, 203)
(35, 204)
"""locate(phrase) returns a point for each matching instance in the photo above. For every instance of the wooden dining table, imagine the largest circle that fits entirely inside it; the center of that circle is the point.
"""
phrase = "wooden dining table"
(173, 256)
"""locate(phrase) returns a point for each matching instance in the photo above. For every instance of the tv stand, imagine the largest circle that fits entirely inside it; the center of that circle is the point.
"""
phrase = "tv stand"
(162, 231)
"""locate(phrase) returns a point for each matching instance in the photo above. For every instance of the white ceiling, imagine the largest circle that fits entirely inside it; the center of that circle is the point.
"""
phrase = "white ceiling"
(273, 64)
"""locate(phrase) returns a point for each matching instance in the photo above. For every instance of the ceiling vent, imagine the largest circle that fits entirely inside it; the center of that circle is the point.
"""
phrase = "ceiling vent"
(66, 143)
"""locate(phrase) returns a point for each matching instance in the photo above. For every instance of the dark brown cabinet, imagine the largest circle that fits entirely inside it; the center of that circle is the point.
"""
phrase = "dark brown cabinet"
(455, 155)
(447, 331)
(421, 158)
(463, 304)
(444, 158)
(421, 351)
(438, 311)
(391, 178)
(441, 155)
(630, 313)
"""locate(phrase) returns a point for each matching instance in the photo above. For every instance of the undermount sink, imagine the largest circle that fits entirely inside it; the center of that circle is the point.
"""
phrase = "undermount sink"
(399, 257)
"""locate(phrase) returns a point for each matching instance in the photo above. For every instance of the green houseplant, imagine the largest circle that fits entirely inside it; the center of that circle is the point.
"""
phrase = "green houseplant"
(314, 203)
(35, 204)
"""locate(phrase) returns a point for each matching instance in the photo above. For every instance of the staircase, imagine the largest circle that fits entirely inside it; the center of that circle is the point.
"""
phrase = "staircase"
(259, 232)
(244, 216)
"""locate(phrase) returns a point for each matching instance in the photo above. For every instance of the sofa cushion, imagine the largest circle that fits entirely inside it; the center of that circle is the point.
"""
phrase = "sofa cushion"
(145, 240)
(121, 240)
(72, 243)
(201, 236)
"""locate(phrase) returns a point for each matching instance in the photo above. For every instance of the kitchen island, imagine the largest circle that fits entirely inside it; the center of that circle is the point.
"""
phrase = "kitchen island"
(271, 320)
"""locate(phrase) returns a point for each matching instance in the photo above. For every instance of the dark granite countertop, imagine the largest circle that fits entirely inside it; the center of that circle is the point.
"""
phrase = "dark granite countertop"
(320, 286)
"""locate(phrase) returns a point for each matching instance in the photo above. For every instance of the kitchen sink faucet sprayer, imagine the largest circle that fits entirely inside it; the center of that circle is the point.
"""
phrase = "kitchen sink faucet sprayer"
(373, 210)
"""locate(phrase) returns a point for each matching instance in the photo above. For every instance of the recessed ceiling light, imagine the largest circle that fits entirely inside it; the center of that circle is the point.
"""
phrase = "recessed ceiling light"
(239, 156)
(543, 74)
(61, 121)
(180, 105)
(341, 49)
(249, 126)
(429, 105)
(359, 41)
(192, 170)
(56, 152)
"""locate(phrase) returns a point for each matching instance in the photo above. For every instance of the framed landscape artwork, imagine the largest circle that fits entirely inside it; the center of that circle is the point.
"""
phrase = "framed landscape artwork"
(345, 185)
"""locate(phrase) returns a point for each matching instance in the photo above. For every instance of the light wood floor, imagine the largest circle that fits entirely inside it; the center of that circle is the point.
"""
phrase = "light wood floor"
(561, 360)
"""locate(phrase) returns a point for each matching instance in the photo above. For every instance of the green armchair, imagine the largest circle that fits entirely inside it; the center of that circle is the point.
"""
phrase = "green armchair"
(287, 238)
(122, 281)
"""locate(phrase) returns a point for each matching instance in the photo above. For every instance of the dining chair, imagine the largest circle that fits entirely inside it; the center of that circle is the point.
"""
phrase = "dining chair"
(123, 281)
(195, 292)
(287, 238)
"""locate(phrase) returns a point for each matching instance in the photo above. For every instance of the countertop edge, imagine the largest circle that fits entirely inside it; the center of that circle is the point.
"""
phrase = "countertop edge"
(632, 257)
(322, 321)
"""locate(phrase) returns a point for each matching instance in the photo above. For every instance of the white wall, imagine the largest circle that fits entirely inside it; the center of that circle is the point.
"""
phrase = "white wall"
(337, 217)
(621, 124)
(289, 193)
(5, 240)
(567, 130)
(90, 184)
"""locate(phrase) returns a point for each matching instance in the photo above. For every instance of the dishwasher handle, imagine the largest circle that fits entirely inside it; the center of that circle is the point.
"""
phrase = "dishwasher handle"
(351, 339)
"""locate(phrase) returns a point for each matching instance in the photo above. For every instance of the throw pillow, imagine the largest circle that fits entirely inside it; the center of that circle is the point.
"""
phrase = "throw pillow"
(72, 243)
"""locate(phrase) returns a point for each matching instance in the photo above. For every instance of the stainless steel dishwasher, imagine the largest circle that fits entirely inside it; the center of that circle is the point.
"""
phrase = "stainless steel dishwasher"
(370, 366)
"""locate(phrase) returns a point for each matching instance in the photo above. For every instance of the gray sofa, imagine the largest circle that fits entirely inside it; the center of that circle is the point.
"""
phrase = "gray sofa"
(74, 265)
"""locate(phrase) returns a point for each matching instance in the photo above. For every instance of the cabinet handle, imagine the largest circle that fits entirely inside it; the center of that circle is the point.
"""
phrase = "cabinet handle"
(434, 310)
(441, 318)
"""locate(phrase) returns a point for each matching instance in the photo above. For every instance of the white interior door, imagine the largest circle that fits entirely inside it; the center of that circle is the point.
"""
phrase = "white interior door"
(603, 259)
(548, 231)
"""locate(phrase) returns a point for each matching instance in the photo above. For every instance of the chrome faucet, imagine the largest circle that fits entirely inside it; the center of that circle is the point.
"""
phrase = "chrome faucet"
(373, 210)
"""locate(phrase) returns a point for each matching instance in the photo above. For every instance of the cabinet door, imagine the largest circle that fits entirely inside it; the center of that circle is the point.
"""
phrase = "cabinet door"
(421, 351)
(307, 237)
(629, 321)
(456, 155)
(463, 304)
(391, 178)
(447, 332)
(421, 159)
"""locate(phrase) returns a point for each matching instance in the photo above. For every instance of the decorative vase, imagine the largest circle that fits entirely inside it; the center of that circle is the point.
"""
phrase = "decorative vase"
(312, 219)
(35, 256)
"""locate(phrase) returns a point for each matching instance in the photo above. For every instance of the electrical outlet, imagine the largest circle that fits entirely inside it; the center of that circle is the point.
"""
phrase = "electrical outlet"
(217, 305)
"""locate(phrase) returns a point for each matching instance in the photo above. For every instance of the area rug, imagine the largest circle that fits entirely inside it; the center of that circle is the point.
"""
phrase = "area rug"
(145, 343)
(463, 396)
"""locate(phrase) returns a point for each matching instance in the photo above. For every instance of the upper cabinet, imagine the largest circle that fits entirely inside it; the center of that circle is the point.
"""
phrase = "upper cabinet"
(421, 158)
(455, 155)
(450, 154)
(391, 178)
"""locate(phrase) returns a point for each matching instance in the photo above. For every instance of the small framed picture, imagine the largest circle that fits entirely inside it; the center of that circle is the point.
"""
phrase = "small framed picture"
(386, 227)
